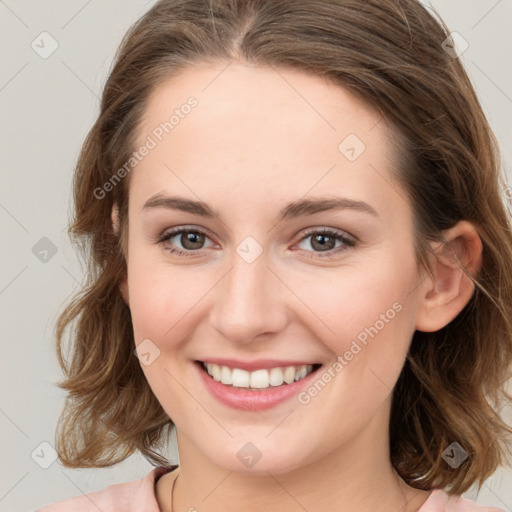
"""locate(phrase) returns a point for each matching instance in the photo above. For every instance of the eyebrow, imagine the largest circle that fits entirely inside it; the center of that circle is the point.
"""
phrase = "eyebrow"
(300, 208)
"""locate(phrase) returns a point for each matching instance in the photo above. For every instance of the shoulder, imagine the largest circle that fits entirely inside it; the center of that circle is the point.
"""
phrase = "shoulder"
(126, 497)
(440, 501)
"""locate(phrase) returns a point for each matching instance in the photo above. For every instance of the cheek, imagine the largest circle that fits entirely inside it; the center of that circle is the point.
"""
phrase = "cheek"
(162, 310)
(160, 295)
(149, 302)
(370, 317)
(368, 302)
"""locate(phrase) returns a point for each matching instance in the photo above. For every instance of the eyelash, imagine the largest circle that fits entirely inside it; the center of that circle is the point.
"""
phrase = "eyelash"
(347, 242)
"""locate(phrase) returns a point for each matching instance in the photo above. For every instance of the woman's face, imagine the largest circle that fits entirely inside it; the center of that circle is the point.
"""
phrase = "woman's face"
(274, 157)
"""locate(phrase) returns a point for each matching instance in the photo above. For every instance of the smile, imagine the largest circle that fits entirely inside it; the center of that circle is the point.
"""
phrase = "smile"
(258, 379)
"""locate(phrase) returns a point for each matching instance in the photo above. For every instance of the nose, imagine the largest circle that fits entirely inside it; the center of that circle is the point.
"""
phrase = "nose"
(250, 301)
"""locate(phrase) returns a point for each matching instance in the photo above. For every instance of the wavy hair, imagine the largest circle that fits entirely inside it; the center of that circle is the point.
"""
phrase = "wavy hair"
(388, 53)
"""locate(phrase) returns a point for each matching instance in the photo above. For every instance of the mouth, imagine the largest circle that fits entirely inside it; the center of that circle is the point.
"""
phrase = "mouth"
(259, 379)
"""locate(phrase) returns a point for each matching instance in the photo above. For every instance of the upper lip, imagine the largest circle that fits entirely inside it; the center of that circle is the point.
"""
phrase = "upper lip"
(257, 364)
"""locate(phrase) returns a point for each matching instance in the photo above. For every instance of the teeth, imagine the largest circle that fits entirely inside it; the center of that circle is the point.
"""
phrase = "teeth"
(258, 379)
(276, 377)
(225, 375)
(289, 374)
(240, 377)
(216, 372)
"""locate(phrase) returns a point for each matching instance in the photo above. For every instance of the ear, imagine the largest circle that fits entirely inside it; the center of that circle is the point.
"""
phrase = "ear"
(444, 294)
(123, 286)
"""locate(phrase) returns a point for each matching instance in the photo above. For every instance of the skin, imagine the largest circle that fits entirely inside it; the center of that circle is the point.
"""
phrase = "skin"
(259, 139)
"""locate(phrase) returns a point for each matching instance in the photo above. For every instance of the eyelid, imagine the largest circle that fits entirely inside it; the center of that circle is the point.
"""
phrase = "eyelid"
(178, 229)
(321, 229)
(303, 234)
(348, 240)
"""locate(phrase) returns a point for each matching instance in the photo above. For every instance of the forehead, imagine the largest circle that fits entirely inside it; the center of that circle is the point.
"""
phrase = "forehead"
(230, 93)
(257, 128)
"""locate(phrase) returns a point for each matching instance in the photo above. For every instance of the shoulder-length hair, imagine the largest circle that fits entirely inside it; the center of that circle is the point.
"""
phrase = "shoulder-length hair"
(390, 54)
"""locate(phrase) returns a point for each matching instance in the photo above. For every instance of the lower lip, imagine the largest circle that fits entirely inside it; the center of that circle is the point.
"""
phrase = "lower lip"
(241, 398)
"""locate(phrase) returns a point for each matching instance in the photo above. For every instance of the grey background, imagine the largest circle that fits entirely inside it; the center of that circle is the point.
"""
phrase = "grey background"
(47, 107)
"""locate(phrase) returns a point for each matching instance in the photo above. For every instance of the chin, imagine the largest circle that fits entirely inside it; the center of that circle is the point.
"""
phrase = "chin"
(249, 460)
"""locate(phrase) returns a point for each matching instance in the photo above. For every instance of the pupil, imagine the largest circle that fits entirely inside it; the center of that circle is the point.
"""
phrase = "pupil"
(323, 245)
(192, 238)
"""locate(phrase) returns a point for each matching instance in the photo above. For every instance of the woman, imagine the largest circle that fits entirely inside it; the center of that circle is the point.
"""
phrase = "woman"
(294, 216)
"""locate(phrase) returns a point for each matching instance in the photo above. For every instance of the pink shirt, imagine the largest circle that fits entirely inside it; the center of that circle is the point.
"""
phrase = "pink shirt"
(139, 496)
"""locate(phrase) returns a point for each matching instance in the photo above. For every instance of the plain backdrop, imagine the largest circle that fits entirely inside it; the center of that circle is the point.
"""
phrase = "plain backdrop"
(47, 107)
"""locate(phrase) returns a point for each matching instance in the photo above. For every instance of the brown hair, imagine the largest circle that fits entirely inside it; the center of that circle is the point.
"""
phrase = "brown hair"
(389, 53)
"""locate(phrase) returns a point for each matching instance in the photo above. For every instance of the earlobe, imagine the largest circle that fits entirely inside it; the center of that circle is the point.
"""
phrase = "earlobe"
(445, 292)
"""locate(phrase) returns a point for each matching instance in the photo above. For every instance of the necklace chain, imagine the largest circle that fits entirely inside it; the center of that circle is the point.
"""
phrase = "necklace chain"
(177, 476)
(172, 492)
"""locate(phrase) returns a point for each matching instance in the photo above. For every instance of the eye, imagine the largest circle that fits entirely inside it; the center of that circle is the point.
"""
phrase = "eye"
(192, 240)
(324, 241)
